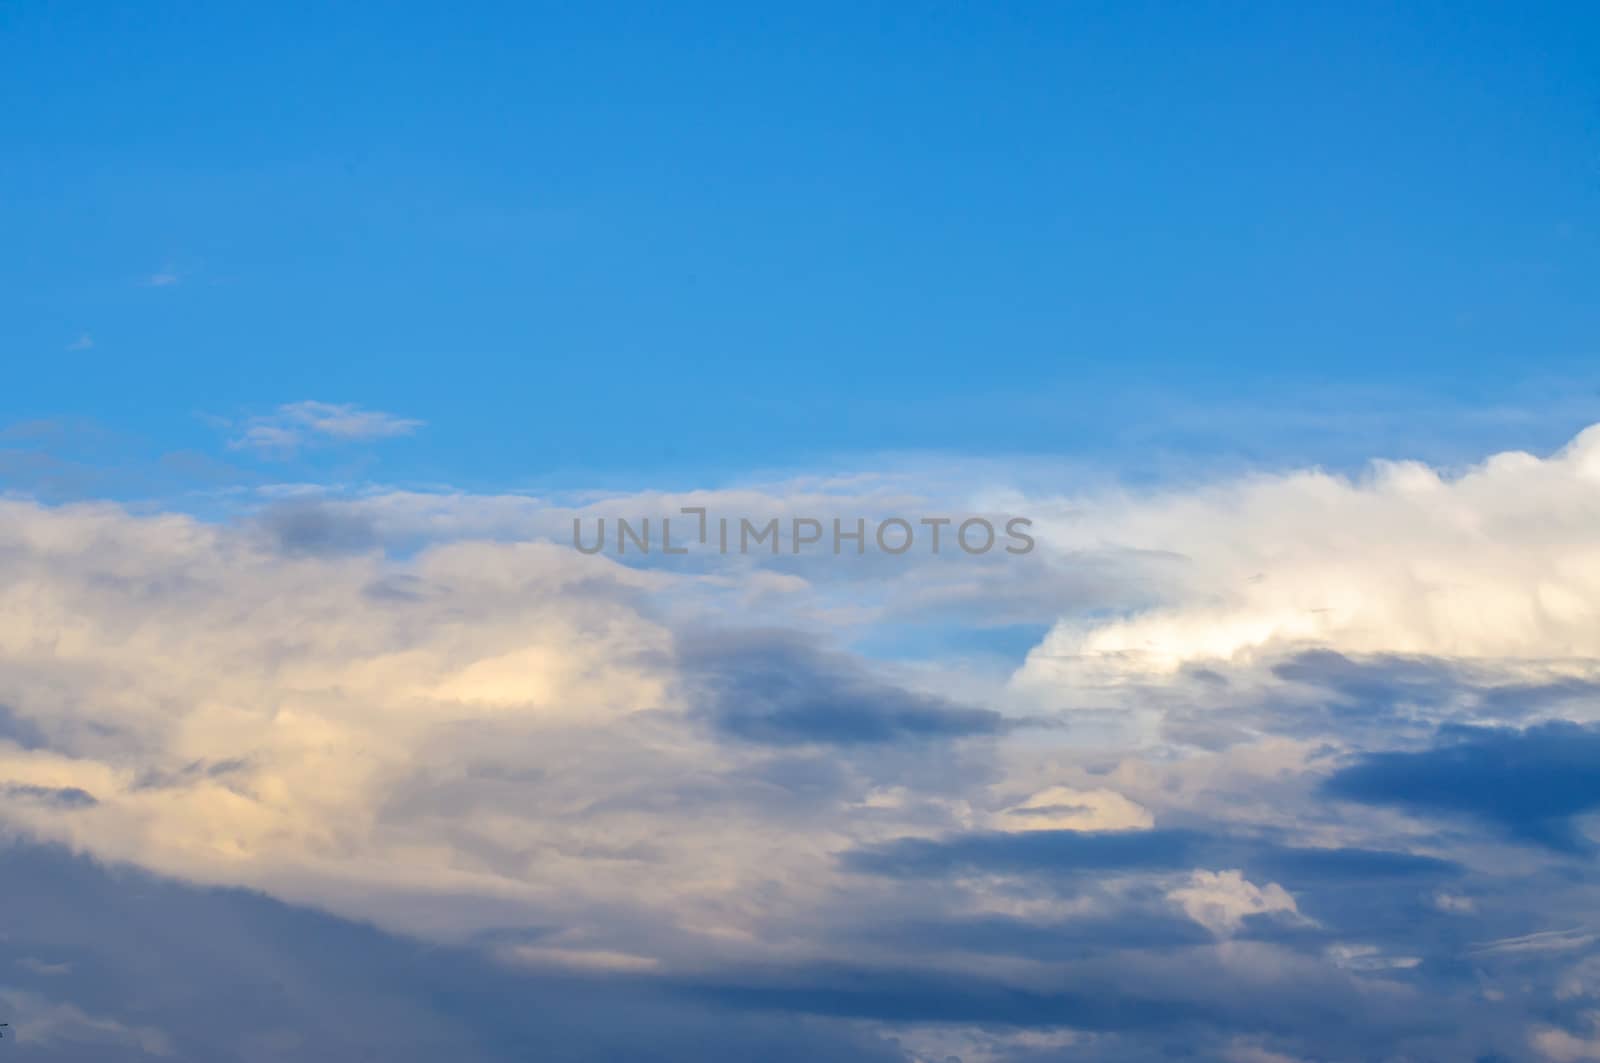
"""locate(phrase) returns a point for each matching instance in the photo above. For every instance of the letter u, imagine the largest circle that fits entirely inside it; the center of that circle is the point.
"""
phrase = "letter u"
(600, 539)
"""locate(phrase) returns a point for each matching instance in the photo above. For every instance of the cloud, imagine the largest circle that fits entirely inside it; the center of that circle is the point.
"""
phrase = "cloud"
(1542, 941)
(1034, 937)
(685, 811)
(24, 733)
(145, 967)
(175, 642)
(56, 1029)
(83, 343)
(1063, 808)
(780, 691)
(1530, 784)
(1564, 1047)
(1220, 901)
(1369, 958)
(64, 797)
(300, 424)
(1200, 997)
(1083, 852)
(1496, 563)
(310, 527)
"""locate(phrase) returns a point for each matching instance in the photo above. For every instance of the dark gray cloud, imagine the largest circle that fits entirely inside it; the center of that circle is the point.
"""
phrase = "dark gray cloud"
(1045, 940)
(1368, 701)
(317, 528)
(21, 730)
(224, 975)
(1375, 684)
(65, 797)
(1528, 784)
(779, 690)
(1183, 1003)
(189, 773)
(910, 995)
(227, 975)
(1068, 852)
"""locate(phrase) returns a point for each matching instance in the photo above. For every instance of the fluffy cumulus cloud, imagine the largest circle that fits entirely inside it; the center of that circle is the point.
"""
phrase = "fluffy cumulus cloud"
(1283, 767)
(1497, 562)
(1221, 900)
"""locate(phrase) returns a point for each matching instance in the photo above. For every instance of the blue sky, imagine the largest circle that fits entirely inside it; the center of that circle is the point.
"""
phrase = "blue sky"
(629, 243)
(324, 326)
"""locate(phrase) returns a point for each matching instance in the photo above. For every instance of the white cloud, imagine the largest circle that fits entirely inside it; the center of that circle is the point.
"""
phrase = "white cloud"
(1221, 900)
(1369, 958)
(1243, 1051)
(83, 343)
(1499, 563)
(1565, 940)
(236, 714)
(39, 1021)
(298, 424)
(541, 956)
(1564, 1047)
(479, 735)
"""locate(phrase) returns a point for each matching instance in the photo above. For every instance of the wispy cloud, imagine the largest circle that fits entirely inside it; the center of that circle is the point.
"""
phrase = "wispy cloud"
(162, 278)
(295, 425)
(82, 343)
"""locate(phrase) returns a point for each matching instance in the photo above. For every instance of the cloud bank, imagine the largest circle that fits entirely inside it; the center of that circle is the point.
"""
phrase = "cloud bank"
(1289, 766)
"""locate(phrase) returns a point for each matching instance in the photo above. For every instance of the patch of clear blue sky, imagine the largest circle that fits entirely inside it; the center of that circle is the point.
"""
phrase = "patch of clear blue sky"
(661, 243)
